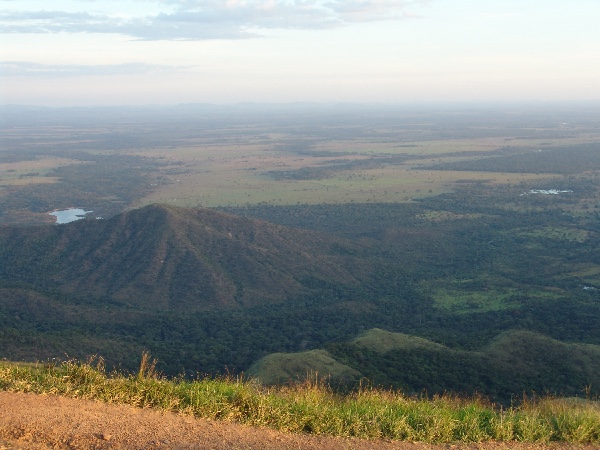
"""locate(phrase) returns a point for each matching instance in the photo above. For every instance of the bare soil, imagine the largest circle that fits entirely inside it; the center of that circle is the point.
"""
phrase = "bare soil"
(29, 421)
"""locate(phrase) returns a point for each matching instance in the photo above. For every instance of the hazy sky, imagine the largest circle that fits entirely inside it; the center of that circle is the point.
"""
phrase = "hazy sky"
(93, 52)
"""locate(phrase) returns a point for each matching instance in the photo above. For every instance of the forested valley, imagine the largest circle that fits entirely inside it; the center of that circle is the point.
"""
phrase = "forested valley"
(499, 276)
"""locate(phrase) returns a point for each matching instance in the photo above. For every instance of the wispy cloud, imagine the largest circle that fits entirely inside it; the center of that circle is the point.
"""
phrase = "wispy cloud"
(372, 10)
(30, 69)
(211, 19)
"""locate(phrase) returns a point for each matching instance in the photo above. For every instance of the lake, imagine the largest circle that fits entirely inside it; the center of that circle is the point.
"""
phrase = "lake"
(69, 215)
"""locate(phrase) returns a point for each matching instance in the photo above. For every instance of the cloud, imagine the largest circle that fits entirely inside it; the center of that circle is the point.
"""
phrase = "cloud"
(30, 69)
(372, 10)
(211, 19)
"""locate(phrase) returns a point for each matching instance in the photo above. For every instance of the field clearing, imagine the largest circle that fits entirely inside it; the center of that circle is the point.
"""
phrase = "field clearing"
(558, 233)
(380, 147)
(29, 180)
(382, 341)
(483, 293)
(22, 173)
(443, 146)
(462, 302)
(42, 165)
(440, 216)
(226, 175)
(464, 145)
(234, 186)
(489, 299)
(589, 274)
(367, 147)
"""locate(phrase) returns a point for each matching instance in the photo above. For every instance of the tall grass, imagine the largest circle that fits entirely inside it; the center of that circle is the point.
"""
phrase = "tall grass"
(311, 407)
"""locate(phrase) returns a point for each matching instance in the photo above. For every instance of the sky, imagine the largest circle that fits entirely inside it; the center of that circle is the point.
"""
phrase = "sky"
(163, 52)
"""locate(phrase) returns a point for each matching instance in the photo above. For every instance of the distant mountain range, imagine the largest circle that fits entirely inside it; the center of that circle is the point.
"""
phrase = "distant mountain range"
(514, 361)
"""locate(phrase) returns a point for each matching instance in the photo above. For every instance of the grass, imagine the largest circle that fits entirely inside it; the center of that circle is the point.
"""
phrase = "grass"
(312, 407)
(480, 294)
(437, 148)
(32, 171)
(227, 183)
(237, 172)
(470, 301)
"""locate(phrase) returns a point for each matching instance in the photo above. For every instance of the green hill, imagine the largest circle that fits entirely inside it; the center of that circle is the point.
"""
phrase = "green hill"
(381, 341)
(514, 363)
(279, 368)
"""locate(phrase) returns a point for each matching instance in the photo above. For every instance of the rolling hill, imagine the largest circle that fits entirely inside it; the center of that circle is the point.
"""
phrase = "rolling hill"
(513, 363)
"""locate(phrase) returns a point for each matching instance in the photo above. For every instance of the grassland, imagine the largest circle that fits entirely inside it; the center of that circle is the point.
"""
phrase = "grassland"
(482, 294)
(38, 171)
(493, 298)
(439, 147)
(311, 407)
(241, 175)
(238, 156)
(235, 172)
(280, 171)
(353, 170)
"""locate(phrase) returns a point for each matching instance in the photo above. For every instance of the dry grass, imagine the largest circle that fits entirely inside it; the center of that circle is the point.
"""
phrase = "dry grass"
(311, 407)
(34, 171)
(238, 173)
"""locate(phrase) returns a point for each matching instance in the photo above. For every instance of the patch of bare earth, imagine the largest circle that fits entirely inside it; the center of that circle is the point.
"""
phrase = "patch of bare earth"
(29, 421)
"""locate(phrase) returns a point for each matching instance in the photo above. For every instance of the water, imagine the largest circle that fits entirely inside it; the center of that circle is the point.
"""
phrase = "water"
(69, 215)
(547, 192)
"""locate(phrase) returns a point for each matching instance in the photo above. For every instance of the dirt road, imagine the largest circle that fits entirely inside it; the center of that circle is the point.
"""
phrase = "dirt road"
(29, 421)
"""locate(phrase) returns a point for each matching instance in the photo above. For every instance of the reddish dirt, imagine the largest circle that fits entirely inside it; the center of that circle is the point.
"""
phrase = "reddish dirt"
(29, 421)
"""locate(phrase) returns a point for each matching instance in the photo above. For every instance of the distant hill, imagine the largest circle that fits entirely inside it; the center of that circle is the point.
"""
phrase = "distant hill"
(381, 341)
(166, 257)
(514, 363)
(278, 368)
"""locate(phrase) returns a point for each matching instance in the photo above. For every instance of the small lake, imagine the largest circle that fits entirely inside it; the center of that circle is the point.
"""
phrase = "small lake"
(69, 215)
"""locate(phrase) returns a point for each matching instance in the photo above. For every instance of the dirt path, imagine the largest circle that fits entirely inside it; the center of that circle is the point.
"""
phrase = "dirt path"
(29, 421)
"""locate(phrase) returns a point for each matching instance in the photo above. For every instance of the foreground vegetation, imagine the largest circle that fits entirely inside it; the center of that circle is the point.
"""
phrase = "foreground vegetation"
(312, 407)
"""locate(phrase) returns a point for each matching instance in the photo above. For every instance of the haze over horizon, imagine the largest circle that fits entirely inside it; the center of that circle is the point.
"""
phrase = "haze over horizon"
(137, 52)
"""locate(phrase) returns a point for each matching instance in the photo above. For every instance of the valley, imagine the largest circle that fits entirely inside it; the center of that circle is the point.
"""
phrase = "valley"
(233, 237)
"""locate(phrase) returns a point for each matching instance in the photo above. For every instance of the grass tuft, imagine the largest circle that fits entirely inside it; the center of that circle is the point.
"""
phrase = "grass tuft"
(313, 407)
